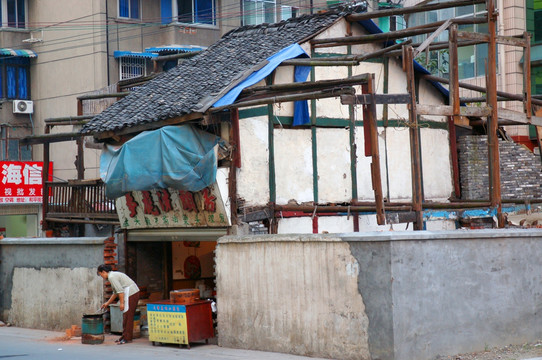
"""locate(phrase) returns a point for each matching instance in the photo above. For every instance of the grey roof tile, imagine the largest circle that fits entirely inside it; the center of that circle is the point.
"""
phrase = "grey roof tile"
(183, 89)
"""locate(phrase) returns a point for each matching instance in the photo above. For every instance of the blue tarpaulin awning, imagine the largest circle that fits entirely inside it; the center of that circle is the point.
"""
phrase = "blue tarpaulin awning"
(132, 54)
(178, 157)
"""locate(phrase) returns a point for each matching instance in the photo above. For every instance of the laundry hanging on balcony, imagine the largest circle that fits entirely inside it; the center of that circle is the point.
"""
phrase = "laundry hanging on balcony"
(178, 157)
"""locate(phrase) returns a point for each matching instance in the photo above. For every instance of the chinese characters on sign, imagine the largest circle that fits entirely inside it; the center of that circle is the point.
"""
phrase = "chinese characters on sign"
(172, 208)
(21, 181)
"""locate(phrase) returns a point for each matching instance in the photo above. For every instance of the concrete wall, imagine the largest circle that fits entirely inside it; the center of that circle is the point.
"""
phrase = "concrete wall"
(423, 293)
(49, 283)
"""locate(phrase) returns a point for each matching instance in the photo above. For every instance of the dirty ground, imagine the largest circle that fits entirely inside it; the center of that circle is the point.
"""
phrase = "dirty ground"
(510, 352)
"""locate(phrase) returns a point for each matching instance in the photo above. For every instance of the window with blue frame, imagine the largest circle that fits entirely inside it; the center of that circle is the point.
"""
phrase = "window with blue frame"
(14, 74)
(129, 9)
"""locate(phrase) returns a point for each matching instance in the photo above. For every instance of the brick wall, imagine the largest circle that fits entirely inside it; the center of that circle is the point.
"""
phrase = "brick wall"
(521, 170)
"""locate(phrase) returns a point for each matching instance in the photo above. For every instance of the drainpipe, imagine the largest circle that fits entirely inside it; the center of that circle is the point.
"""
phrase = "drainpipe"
(107, 42)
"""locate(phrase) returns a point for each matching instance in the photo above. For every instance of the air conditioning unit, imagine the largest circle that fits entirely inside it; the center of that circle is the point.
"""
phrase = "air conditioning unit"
(23, 107)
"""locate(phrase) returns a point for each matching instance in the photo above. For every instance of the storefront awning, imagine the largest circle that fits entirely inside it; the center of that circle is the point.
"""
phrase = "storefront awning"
(132, 54)
(18, 52)
(207, 234)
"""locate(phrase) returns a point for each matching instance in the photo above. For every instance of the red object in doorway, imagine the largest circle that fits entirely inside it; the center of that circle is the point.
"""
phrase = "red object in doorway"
(525, 140)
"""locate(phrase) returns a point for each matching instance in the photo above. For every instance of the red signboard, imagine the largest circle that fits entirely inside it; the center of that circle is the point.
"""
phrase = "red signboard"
(21, 181)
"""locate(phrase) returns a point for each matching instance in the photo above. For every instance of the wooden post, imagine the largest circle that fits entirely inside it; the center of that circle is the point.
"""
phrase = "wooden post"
(44, 180)
(415, 161)
(492, 139)
(234, 164)
(370, 130)
(454, 103)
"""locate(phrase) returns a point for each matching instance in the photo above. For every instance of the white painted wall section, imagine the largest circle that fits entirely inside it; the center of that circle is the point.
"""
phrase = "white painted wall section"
(293, 165)
(297, 225)
(253, 177)
(335, 224)
(437, 172)
(334, 179)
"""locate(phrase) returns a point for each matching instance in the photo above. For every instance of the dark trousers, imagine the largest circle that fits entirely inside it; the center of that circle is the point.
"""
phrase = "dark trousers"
(128, 318)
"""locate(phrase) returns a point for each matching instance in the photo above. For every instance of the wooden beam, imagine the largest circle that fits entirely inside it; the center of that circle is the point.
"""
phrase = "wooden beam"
(446, 110)
(410, 10)
(306, 85)
(479, 88)
(50, 138)
(377, 98)
(150, 126)
(322, 94)
(431, 37)
(519, 117)
(366, 39)
(415, 154)
(103, 96)
(369, 117)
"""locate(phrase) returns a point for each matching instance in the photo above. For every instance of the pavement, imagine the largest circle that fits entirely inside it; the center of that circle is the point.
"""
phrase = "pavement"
(23, 343)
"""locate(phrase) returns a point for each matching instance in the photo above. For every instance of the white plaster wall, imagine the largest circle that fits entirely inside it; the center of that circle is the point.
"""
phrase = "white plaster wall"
(363, 171)
(284, 75)
(334, 179)
(398, 145)
(437, 172)
(368, 223)
(253, 177)
(331, 107)
(299, 225)
(335, 31)
(290, 300)
(293, 165)
(397, 84)
(429, 95)
(440, 225)
(335, 224)
(378, 71)
(53, 298)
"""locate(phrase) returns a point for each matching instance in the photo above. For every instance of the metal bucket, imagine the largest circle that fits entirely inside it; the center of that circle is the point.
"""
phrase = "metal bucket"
(92, 329)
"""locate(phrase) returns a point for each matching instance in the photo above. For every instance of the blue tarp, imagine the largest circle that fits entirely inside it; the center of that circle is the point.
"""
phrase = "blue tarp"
(178, 157)
(301, 108)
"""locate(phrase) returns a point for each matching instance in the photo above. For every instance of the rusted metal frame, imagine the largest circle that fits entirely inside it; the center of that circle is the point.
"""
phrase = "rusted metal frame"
(369, 117)
(48, 138)
(527, 106)
(479, 89)
(481, 99)
(415, 155)
(365, 99)
(232, 178)
(410, 10)
(432, 37)
(493, 141)
(504, 40)
(337, 208)
(366, 39)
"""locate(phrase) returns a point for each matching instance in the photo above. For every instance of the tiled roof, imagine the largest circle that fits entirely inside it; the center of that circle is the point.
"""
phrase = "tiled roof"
(185, 88)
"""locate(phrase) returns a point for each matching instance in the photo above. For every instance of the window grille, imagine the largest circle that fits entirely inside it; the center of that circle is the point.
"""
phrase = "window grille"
(132, 67)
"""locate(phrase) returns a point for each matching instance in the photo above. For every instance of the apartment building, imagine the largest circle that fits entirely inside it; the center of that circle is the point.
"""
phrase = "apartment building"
(515, 17)
(52, 52)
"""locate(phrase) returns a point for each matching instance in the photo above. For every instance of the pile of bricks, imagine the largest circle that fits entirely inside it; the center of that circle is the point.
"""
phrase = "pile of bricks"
(110, 258)
(521, 170)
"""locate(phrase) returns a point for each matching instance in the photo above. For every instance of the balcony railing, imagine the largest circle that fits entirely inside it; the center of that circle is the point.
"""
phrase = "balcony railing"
(80, 201)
